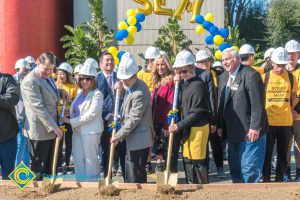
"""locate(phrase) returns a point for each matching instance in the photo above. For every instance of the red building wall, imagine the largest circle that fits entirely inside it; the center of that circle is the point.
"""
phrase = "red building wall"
(30, 27)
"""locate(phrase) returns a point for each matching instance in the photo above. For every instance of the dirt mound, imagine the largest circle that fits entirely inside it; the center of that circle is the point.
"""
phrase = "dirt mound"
(166, 189)
(32, 195)
(109, 191)
(50, 188)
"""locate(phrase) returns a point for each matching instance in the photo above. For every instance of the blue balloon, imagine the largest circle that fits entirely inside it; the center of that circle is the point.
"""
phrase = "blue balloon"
(140, 17)
(199, 19)
(229, 45)
(120, 54)
(207, 25)
(223, 46)
(138, 27)
(224, 32)
(214, 30)
(118, 36)
(124, 33)
(209, 39)
(126, 22)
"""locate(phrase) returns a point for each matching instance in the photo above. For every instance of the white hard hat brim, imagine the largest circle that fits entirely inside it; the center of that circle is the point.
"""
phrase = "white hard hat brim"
(87, 74)
(182, 65)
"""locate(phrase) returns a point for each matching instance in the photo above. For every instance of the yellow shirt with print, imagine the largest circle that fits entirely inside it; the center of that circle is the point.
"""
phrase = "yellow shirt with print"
(278, 97)
(260, 70)
(146, 76)
(296, 74)
(71, 88)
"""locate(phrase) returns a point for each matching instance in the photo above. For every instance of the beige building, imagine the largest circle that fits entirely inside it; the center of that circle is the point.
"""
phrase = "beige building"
(115, 11)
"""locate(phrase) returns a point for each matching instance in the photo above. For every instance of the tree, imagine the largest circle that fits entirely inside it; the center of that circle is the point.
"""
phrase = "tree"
(283, 22)
(172, 39)
(90, 39)
(234, 10)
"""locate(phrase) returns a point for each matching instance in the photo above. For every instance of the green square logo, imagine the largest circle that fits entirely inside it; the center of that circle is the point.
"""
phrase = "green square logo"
(22, 176)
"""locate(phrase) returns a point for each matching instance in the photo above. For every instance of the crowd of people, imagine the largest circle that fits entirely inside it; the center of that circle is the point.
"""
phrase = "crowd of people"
(249, 108)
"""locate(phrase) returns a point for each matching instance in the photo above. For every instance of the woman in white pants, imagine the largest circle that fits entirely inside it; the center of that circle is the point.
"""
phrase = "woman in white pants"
(87, 124)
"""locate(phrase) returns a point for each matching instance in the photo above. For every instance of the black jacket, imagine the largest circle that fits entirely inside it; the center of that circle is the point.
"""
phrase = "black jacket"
(195, 107)
(9, 97)
(245, 106)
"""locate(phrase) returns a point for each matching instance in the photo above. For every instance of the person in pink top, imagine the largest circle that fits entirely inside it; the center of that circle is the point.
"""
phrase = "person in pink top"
(162, 100)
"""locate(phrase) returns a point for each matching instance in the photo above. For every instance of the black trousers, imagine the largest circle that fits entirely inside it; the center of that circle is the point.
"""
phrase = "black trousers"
(105, 145)
(41, 154)
(217, 149)
(68, 144)
(283, 135)
(135, 166)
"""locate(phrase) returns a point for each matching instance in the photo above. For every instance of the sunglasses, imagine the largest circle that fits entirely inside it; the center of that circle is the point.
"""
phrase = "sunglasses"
(85, 78)
(183, 72)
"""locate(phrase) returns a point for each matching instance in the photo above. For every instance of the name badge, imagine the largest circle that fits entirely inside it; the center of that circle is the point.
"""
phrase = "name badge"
(234, 86)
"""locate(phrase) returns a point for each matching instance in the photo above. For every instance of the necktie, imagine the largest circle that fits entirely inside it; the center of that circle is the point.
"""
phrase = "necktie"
(109, 81)
(52, 85)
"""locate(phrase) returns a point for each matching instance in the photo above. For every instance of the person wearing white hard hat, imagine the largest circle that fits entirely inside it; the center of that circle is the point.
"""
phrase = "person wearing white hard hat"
(76, 71)
(136, 121)
(91, 62)
(247, 55)
(87, 123)
(242, 118)
(293, 49)
(64, 81)
(145, 73)
(281, 87)
(209, 77)
(267, 64)
(31, 61)
(22, 143)
(218, 66)
(195, 118)
(106, 80)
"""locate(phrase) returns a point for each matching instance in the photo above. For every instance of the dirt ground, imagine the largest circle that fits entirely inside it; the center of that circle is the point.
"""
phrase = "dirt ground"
(207, 194)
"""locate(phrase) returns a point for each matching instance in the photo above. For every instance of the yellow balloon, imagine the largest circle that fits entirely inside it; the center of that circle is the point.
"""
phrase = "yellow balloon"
(200, 29)
(218, 39)
(131, 13)
(129, 39)
(218, 54)
(131, 21)
(197, 5)
(236, 48)
(147, 4)
(113, 50)
(116, 59)
(209, 17)
(122, 25)
(132, 30)
(161, 11)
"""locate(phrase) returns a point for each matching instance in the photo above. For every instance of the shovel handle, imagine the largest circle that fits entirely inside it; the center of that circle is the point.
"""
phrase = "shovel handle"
(55, 156)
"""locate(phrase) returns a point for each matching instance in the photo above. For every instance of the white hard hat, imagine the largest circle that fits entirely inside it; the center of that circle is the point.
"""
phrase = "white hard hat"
(77, 68)
(163, 53)
(66, 67)
(88, 70)
(22, 63)
(280, 56)
(292, 46)
(151, 53)
(218, 64)
(268, 53)
(127, 67)
(201, 55)
(299, 60)
(30, 59)
(92, 62)
(184, 58)
(246, 49)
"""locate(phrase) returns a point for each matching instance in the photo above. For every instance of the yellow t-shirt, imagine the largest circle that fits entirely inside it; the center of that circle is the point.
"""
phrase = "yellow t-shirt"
(278, 97)
(260, 70)
(296, 74)
(71, 88)
(146, 76)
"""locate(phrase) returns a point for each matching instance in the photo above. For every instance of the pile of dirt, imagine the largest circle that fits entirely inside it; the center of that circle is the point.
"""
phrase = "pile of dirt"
(166, 189)
(50, 188)
(109, 191)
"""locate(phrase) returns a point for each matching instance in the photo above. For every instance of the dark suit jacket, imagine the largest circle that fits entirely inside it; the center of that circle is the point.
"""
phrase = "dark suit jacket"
(108, 96)
(245, 106)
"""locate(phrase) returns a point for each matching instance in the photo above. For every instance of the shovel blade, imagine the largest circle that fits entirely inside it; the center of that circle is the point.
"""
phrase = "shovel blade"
(166, 178)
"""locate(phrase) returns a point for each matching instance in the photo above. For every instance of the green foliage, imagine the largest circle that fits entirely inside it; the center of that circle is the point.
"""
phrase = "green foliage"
(234, 37)
(90, 39)
(172, 39)
(283, 22)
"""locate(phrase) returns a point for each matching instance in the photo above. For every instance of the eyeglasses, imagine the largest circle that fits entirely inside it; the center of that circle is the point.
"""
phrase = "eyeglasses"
(85, 78)
(203, 61)
(183, 72)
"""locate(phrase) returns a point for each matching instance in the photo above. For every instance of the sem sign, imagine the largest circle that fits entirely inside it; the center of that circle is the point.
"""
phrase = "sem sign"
(184, 5)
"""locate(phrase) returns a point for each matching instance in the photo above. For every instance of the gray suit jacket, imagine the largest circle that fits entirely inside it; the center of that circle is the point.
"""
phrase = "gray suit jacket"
(137, 125)
(40, 102)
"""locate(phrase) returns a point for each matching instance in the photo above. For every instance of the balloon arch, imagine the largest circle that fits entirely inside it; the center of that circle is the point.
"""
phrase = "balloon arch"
(133, 24)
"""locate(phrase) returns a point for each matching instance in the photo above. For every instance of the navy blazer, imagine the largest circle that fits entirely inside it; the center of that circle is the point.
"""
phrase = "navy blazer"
(108, 95)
